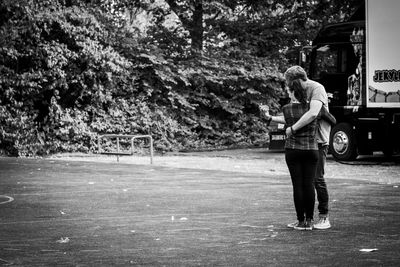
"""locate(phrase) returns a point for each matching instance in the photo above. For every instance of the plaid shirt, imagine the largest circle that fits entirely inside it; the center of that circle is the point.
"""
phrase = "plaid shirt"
(305, 138)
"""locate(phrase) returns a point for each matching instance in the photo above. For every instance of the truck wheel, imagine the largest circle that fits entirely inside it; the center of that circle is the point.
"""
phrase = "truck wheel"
(342, 142)
(388, 151)
(388, 145)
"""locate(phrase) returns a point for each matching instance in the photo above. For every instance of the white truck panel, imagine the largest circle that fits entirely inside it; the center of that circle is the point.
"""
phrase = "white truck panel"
(383, 57)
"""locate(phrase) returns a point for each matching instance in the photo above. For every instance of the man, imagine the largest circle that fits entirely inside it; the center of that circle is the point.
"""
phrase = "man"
(317, 98)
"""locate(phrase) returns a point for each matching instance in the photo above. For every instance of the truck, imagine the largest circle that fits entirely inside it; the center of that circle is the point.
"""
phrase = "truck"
(358, 63)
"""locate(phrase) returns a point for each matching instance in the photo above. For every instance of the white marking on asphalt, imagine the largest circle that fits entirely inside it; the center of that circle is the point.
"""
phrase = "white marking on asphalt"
(9, 199)
(63, 240)
(368, 249)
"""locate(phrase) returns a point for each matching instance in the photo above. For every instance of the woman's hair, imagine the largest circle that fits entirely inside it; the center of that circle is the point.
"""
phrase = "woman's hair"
(298, 91)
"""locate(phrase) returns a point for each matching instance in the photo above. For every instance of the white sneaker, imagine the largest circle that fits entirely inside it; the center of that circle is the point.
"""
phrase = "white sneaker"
(322, 224)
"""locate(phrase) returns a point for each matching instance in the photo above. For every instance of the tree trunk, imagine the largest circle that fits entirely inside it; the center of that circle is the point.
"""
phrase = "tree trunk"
(196, 29)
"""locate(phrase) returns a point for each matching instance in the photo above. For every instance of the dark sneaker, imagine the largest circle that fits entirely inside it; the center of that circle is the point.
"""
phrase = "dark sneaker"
(300, 226)
(322, 224)
(304, 226)
(309, 225)
(293, 224)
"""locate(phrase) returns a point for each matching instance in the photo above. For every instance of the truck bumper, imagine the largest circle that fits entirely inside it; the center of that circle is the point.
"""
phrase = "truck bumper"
(277, 140)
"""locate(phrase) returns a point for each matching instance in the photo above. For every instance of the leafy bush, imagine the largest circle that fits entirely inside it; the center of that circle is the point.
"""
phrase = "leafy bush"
(68, 73)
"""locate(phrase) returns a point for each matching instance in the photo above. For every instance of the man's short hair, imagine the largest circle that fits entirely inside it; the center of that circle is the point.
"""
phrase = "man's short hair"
(295, 72)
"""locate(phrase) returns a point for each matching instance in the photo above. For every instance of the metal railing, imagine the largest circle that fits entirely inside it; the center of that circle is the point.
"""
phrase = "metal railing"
(124, 136)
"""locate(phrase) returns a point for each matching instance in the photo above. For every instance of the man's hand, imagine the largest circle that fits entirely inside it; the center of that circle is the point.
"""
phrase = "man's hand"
(309, 116)
(289, 132)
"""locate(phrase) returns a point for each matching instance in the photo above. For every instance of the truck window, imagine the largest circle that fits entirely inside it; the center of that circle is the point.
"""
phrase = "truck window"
(331, 59)
(326, 61)
(332, 66)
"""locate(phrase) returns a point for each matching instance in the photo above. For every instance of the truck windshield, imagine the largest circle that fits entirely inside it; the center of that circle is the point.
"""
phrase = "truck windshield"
(334, 66)
(329, 59)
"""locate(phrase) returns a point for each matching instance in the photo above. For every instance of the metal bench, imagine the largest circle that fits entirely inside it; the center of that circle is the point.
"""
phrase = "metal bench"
(124, 136)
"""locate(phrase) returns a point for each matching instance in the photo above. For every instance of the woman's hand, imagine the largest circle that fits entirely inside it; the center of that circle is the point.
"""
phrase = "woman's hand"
(265, 112)
(267, 116)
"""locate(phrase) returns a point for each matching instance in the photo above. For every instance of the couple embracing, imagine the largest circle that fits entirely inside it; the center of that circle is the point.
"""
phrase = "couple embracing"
(308, 125)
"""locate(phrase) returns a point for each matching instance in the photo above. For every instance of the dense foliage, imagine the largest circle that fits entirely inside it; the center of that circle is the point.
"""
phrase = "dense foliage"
(190, 73)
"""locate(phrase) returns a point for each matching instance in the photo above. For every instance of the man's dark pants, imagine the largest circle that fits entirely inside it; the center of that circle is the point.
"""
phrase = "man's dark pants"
(320, 184)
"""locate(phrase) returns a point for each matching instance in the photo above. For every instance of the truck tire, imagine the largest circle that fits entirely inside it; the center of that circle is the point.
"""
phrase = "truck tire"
(388, 146)
(388, 150)
(342, 142)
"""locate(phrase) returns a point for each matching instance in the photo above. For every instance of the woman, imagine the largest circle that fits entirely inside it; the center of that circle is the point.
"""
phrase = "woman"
(301, 154)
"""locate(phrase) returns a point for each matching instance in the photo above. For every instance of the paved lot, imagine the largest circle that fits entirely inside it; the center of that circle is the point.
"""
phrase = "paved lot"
(375, 168)
(96, 212)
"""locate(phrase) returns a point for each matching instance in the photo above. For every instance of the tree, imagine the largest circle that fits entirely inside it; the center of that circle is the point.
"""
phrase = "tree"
(192, 75)
(191, 16)
(267, 28)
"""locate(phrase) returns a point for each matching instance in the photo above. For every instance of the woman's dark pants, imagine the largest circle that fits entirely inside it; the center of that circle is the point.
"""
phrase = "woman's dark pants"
(302, 166)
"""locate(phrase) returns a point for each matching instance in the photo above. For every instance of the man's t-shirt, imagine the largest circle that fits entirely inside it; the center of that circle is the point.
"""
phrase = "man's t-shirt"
(316, 91)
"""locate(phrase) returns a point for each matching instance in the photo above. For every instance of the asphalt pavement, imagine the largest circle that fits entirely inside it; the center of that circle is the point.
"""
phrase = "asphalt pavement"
(88, 211)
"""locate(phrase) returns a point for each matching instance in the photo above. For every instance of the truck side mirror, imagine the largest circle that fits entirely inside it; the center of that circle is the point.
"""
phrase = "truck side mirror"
(303, 58)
